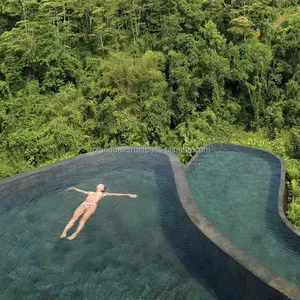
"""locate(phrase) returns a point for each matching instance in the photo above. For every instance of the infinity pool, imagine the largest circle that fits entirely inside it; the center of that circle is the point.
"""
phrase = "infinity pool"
(237, 190)
(133, 249)
(130, 248)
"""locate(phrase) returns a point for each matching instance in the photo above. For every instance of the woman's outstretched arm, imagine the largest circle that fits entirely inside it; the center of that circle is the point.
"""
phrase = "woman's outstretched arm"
(78, 190)
(118, 194)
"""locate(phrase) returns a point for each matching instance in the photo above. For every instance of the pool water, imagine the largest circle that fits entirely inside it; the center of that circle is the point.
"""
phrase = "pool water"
(129, 249)
(237, 191)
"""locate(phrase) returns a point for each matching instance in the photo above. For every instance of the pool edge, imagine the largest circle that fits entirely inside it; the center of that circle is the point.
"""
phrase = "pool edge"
(121, 149)
(271, 278)
(281, 202)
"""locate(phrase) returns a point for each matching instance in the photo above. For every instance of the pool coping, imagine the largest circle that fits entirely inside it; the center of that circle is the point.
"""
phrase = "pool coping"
(271, 278)
(142, 149)
(174, 160)
(276, 281)
(288, 223)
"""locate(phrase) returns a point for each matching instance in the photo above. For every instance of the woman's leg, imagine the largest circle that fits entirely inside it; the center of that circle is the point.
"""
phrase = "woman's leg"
(77, 213)
(82, 221)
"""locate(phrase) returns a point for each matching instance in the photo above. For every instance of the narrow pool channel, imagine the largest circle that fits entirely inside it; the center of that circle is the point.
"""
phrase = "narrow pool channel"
(236, 188)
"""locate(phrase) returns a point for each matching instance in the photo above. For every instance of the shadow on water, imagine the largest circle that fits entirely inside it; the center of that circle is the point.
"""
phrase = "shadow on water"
(60, 249)
(202, 259)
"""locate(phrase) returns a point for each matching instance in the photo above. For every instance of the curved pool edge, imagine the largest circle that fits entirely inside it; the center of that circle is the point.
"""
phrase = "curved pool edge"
(271, 278)
(132, 149)
(281, 203)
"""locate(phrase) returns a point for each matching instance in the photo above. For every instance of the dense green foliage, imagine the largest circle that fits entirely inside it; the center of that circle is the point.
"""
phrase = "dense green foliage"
(77, 76)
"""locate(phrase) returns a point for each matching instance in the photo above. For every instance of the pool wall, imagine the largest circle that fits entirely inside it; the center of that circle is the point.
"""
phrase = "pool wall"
(282, 204)
(228, 270)
(245, 260)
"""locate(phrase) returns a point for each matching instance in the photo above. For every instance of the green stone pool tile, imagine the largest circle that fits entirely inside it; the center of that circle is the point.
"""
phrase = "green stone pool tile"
(210, 231)
(282, 284)
(230, 248)
(265, 273)
(197, 217)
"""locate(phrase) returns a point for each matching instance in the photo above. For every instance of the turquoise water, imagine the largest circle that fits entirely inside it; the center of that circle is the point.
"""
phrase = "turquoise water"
(130, 248)
(237, 191)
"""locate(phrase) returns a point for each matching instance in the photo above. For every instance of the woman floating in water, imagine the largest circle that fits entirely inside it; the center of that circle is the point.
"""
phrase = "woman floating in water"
(88, 207)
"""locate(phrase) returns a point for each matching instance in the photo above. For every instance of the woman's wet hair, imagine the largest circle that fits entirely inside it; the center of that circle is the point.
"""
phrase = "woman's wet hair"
(105, 187)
